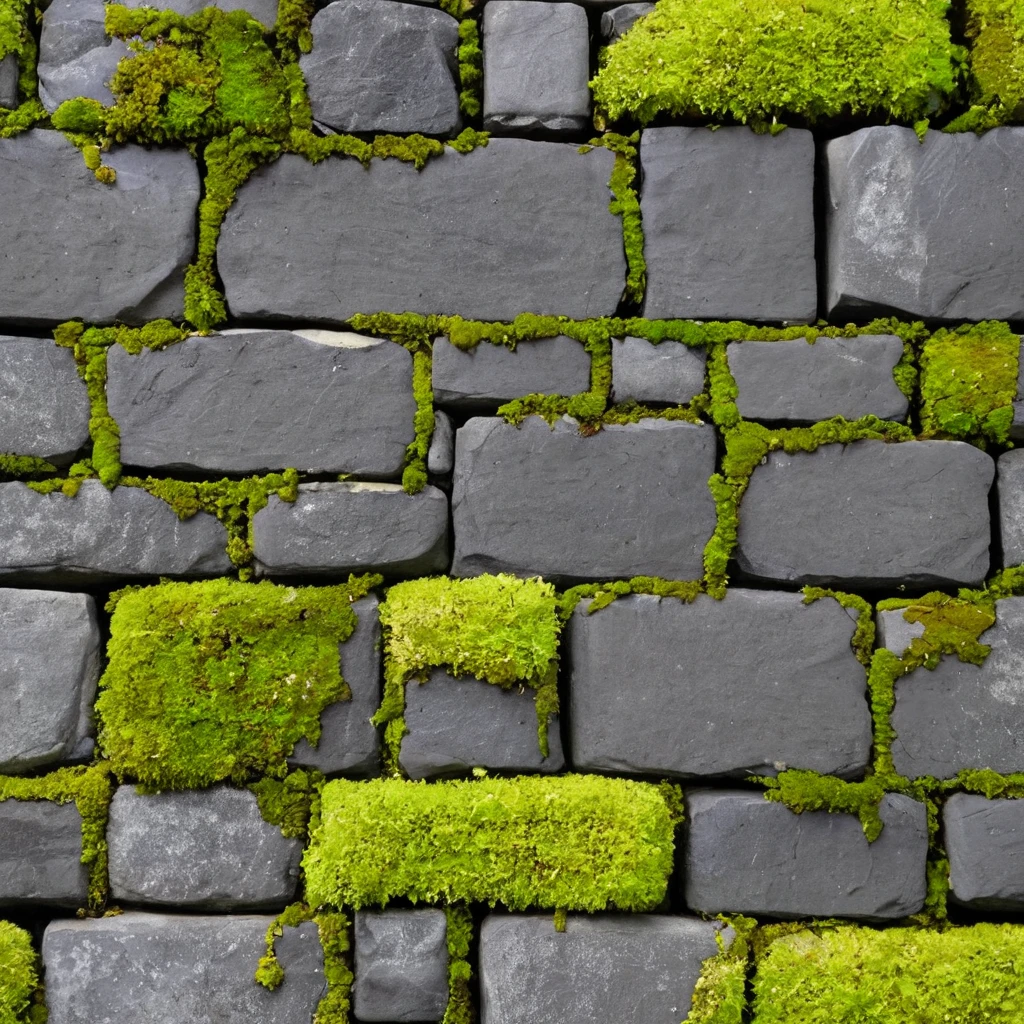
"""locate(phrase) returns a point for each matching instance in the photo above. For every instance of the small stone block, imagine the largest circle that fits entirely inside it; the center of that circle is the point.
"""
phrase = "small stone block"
(41, 854)
(441, 454)
(984, 840)
(668, 372)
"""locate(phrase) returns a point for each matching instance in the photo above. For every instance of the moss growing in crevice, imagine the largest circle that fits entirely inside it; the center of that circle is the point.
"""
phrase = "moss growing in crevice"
(809, 791)
(603, 594)
(21, 991)
(458, 935)
(720, 994)
(995, 31)
(471, 66)
(24, 467)
(18, 41)
(288, 802)
(863, 641)
(414, 476)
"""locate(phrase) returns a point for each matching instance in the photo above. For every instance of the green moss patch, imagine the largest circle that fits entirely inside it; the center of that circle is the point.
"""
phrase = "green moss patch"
(20, 992)
(995, 31)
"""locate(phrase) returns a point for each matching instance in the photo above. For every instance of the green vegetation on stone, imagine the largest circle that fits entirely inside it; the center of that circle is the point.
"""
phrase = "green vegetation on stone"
(995, 32)
(720, 993)
(20, 994)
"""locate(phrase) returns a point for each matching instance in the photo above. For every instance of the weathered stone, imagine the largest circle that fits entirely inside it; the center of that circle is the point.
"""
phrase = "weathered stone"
(667, 372)
(619, 20)
(178, 969)
(1010, 489)
(489, 375)
(337, 528)
(729, 224)
(754, 683)
(9, 73)
(536, 66)
(869, 514)
(519, 494)
(381, 66)
(984, 840)
(440, 240)
(250, 401)
(41, 854)
(458, 724)
(49, 666)
(441, 454)
(604, 967)
(747, 855)
(401, 965)
(932, 229)
(796, 382)
(71, 246)
(100, 535)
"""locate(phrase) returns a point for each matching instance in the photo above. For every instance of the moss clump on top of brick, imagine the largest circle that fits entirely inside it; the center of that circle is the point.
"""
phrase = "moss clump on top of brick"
(19, 978)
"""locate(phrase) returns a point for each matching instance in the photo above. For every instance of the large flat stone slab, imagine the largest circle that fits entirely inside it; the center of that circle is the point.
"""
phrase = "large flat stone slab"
(1010, 489)
(984, 841)
(41, 855)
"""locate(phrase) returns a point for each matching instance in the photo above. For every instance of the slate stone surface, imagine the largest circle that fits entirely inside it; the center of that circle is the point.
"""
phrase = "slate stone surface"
(458, 724)
(1010, 489)
(337, 528)
(381, 66)
(9, 73)
(401, 965)
(930, 230)
(603, 967)
(796, 382)
(178, 969)
(41, 854)
(44, 404)
(668, 372)
(208, 850)
(49, 666)
(440, 240)
(441, 454)
(984, 840)
(728, 224)
(251, 401)
(518, 495)
(489, 375)
(74, 247)
(536, 67)
(751, 856)
(869, 514)
(101, 535)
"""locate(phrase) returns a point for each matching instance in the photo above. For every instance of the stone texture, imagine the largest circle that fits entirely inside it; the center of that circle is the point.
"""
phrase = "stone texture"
(894, 632)
(489, 375)
(795, 382)
(932, 230)
(251, 401)
(510, 227)
(728, 224)
(668, 372)
(747, 855)
(49, 666)
(337, 528)
(984, 840)
(71, 246)
(401, 965)
(641, 489)
(1010, 489)
(603, 967)
(101, 535)
(41, 854)
(381, 66)
(9, 73)
(178, 969)
(536, 67)
(458, 724)
(869, 514)
(619, 20)
(441, 454)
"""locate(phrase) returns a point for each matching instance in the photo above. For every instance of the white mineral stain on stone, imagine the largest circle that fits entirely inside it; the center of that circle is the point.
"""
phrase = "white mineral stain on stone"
(338, 339)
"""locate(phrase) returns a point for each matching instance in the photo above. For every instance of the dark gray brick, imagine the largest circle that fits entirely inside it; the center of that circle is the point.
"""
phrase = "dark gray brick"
(41, 855)
(619, 20)
(984, 840)
(667, 372)
(1010, 488)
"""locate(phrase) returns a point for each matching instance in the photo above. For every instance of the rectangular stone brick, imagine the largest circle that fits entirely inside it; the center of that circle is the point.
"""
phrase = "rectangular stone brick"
(41, 854)
(668, 372)
(984, 840)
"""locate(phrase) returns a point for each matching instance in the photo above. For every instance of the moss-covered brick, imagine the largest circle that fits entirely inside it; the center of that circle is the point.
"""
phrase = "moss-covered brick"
(20, 993)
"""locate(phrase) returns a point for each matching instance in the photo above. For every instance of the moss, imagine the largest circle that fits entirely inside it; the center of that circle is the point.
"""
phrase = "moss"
(722, 388)
(720, 993)
(718, 551)
(808, 791)
(21, 119)
(952, 625)
(288, 802)
(20, 987)
(603, 594)
(292, 28)
(459, 935)
(471, 68)
(20, 467)
(414, 476)
(995, 31)
(16, 38)
(863, 641)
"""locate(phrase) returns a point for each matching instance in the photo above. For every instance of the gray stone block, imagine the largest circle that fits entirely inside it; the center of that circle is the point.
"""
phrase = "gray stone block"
(79, 248)
(178, 969)
(441, 454)
(458, 724)
(932, 229)
(489, 375)
(251, 401)
(619, 20)
(754, 683)
(101, 535)
(49, 666)
(401, 965)
(381, 66)
(41, 855)
(869, 514)
(9, 73)
(510, 227)
(337, 528)
(894, 632)
(746, 855)
(208, 850)
(536, 67)
(519, 492)
(603, 967)
(729, 224)
(1010, 490)
(984, 840)
(667, 372)
(795, 382)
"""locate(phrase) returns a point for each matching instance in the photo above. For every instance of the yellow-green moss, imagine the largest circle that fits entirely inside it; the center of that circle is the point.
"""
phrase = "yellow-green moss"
(995, 31)
(21, 999)
(603, 594)
(288, 802)
(21, 467)
(863, 641)
(471, 67)
(18, 40)
(808, 791)
(720, 993)
(459, 935)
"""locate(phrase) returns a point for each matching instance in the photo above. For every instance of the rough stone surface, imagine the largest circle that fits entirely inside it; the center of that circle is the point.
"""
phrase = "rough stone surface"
(796, 382)
(751, 856)
(440, 240)
(401, 965)
(441, 454)
(9, 72)
(41, 854)
(1010, 488)
(71, 246)
(668, 372)
(458, 724)
(251, 401)
(100, 535)
(932, 229)
(536, 66)
(869, 513)
(178, 969)
(642, 489)
(728, 224)
(49, 666)
(337, 528)
(603, 967)
(381, 66)
(619, 20)
(984, 840)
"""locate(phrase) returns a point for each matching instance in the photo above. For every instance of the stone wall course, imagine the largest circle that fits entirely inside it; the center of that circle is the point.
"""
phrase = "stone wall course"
(41, 855)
